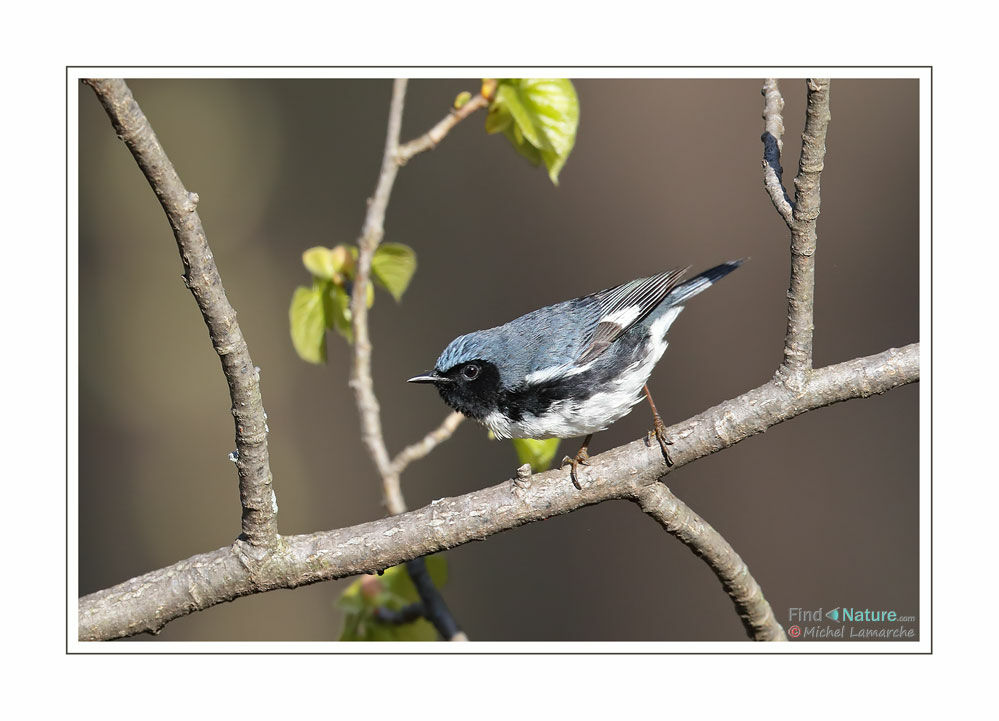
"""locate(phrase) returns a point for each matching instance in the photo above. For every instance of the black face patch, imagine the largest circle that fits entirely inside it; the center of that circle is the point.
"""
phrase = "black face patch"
(473, 388)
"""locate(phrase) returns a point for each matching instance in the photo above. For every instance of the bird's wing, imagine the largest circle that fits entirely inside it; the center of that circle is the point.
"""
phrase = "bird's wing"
(624, 306)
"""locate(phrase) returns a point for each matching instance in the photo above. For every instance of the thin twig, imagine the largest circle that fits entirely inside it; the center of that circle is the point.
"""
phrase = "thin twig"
(148, 602)
(422, 447)
(773, 146)
(430, 139)
(256, 494)
(360, 380)
(698, 535)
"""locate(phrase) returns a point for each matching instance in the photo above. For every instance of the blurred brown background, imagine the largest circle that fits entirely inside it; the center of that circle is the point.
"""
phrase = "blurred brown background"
(664, 173)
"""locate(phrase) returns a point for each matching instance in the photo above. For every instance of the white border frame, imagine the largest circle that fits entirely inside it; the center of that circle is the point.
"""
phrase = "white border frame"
(924, 645)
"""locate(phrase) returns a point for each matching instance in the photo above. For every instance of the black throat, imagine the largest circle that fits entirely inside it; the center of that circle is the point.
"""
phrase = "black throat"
(476, 398)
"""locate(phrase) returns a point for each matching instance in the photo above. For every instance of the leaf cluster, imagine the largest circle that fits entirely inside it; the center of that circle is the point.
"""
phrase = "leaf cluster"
(326, 305)
(539, 117)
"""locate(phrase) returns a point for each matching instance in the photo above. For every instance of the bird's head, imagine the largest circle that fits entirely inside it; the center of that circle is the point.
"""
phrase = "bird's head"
(467, 374)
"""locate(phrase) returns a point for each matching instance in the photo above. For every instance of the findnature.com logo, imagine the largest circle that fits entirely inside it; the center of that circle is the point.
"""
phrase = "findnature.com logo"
(810, 624)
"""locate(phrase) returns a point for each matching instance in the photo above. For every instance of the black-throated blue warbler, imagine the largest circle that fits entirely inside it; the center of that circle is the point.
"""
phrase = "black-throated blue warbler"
(569, 369)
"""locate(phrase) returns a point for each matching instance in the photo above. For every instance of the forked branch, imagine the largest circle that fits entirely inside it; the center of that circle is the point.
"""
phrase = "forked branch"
(800, 217)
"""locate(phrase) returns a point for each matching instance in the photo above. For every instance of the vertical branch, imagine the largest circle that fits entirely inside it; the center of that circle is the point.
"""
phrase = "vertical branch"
(797, 361)
(801, 294)
(201, 275)
(360, 380)
(372, 232)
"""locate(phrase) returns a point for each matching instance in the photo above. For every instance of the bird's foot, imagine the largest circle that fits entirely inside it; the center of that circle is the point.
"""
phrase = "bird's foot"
(581, 458)
(659, 431)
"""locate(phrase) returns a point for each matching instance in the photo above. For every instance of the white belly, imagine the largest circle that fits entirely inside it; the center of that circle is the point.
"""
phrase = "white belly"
(567, 419)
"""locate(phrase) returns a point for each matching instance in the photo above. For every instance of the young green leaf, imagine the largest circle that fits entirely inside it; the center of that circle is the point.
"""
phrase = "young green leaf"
(539, 117)
(392, 266)
(329, 263)
(509, 96)
(319, 262)
(308, 324)
(539, 453)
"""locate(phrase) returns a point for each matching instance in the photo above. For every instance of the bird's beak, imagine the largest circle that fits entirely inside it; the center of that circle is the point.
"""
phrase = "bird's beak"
(430, 377)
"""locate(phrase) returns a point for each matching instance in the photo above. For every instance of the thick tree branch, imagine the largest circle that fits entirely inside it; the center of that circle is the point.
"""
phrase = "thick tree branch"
(698, 535)
(259, 519)
(148, 602)
(801, 294)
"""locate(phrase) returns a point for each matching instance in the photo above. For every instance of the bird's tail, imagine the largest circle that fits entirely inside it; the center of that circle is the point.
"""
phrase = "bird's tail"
(698, 283)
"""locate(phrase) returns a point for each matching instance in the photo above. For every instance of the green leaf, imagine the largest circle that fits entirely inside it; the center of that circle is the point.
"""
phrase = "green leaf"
(308, 324)
(523, 148)
(329, 263)
(539, 453)
(319, 262)
(498, 119)
(392, 266)
(539, 117)
(326, 306)
(394, 589)
(337, 304)
(509, 96)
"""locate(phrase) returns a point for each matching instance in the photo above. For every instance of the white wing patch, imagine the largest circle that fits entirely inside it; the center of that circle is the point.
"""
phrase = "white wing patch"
(560, 371)
(545, 374)
(626, 305)
(623, 317)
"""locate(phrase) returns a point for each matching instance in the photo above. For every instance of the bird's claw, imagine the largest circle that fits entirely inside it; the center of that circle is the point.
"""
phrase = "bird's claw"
(581, 459)
(659, 431)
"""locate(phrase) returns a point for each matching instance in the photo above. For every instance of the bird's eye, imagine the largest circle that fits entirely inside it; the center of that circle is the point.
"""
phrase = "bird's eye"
(471, 372)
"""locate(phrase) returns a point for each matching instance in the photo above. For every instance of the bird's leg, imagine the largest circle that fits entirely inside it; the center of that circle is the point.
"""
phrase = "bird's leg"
(582, 457)
(658, 428)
